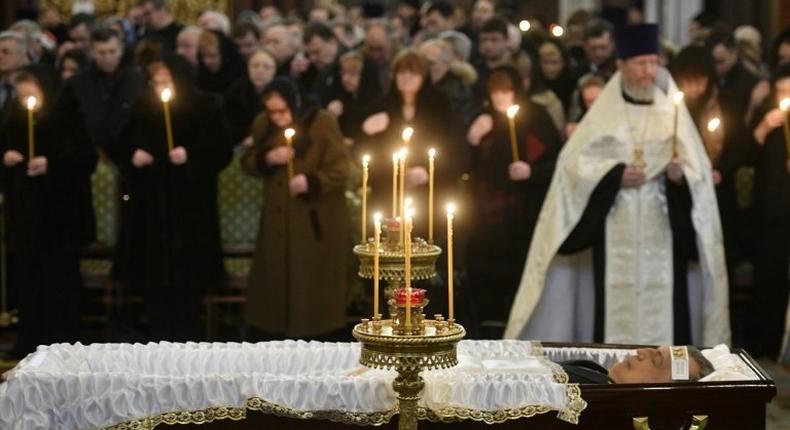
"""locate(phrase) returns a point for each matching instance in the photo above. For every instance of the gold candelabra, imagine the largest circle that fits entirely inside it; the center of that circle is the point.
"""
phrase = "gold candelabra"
(406, 341)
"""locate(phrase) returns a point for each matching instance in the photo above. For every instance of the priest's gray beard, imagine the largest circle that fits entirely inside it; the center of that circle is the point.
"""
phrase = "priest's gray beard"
(639, 93)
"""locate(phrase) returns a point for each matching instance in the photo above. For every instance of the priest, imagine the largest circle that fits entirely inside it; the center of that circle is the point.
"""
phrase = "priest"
(628, 246)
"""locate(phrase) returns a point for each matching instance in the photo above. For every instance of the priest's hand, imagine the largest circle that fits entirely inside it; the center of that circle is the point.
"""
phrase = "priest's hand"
(141, 159)
(675, 170)
(376, 123)
(178, 155)
(772, 119)
(519, 171)
(279, 156)
(716, 177)
(481, 126)
(37, 166)
(298, 185)
(335, 107)
(633, 177)
(416, 176)
(11, 158)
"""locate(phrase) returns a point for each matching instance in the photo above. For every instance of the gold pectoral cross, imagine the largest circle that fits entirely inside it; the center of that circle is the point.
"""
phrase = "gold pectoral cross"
(638, 162)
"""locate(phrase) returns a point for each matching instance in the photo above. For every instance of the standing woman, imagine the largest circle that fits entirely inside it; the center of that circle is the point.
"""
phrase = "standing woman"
(48, 213)
(507, 194)
(219, 62)
(171, 232)
(298, 277)
(555, 71)
(243, 98)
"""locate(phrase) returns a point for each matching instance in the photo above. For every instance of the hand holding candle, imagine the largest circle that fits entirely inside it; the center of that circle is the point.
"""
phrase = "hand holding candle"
(365, 162)
(450, 216)
(166, 96)
(512, 111)
(31, 106)
(431, 171)
(289, 134)
(677, 99)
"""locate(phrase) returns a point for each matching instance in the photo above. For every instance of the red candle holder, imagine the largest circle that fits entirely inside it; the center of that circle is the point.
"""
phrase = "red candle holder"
(417, 296)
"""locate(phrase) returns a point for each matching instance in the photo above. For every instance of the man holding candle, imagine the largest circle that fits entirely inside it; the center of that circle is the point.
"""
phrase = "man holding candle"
(772, 218)
(298, 275)
(656, 273)
(48, 210)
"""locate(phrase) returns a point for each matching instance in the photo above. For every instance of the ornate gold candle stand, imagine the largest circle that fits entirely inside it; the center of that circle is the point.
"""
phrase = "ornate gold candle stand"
(425, 344)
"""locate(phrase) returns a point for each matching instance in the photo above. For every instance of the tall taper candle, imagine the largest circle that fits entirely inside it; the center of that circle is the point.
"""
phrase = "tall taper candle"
(431, 171)
(166, 96)
(376, 256)
(364, 221)
(677, 99)
(450, 215)
(395, 161)
(407, 267)
(289, 134)
(402, 195)
(406, 135)
(31, 106)
(512, 111)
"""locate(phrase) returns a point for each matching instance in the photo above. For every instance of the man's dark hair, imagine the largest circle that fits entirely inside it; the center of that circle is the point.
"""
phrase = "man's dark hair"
(597, 28)
(82, 18)
(705, 19)
(705, 366)
(496, 24)
(318, 29)
(105, 34)
(245, 28)
(724, 38)
(444, 8)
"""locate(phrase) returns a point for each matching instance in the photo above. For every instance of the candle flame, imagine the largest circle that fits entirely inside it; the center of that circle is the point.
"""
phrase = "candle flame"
(166, 95)
(289, 133)
(408, 203)
(409, 213)
(713, 124)
(524, 25)
(31, 102)
(678, 97)
(450, 209)
(377, 218)
(557, 30)
(784, 104)
(512, 111)
(431, 153)
(365, 160)
(395, 157)
(407, 133)
(403, 153)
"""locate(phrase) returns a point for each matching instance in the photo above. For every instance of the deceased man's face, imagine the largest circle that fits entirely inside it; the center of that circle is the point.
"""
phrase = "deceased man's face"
(649, 365)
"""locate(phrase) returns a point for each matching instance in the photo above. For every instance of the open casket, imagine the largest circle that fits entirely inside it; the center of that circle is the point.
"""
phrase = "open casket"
(508, 384)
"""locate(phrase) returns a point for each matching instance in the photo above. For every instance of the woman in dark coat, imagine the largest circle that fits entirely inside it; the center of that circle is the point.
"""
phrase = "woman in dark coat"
(171, 230)
(48, 213)
(555, 71)
(414, 103)
(219, 62)
(242, 101)
(507, 195)
(772, 221)
(298, 277)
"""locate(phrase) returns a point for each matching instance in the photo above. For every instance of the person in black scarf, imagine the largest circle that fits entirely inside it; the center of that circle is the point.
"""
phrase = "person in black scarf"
(354, 94)
(219, 62)
(508, 194)
(298, 275)
(555, 71)
(243, 99)
(772, 218)
(170, 244)
(47, 209)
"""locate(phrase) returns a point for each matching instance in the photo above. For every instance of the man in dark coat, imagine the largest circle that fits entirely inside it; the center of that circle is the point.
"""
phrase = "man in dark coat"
(161, 25)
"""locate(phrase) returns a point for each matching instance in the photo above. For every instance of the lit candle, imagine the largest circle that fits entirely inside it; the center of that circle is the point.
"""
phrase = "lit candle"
(677, 99)
(376, 254)
(31, 106)
(714, 124)
(784, 105)
(450, 215)
(289, 142)
(407, 267)
(512, 111)
(431, 157)
(166, 96)
(395, 161)
(402, 169)
(406, 135)
(365, 162)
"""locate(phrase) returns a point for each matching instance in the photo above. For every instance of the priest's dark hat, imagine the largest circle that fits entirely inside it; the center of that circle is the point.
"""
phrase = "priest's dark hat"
(634, 40)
